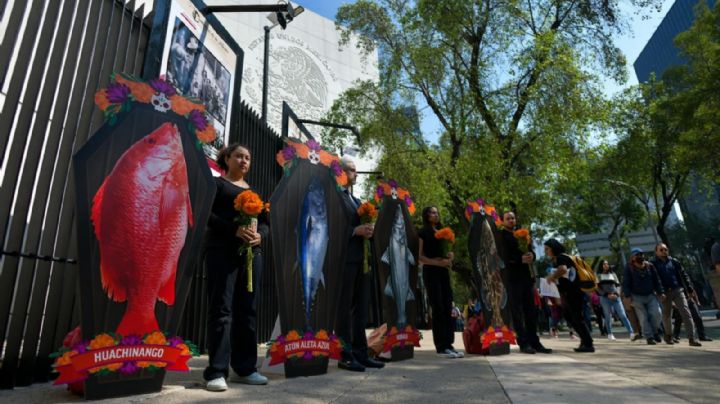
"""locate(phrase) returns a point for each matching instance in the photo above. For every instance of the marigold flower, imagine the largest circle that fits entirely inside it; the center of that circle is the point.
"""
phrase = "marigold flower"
(367, 210)
(249, 203)
(207, 135)
(445, 233)
(156, 338)
(293, 336)
(101, 100)
(182, 106)
(142, 92)
(102, 341)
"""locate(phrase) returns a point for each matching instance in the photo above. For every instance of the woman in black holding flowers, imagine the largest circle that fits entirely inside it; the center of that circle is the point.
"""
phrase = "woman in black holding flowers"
(231, 322)
(436, 278)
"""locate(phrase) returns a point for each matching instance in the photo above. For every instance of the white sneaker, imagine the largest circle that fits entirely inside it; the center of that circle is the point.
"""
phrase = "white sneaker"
(458, 354)
(255, 379)
(448, 354)
(632, 336)
(217, 384)
(611, 337)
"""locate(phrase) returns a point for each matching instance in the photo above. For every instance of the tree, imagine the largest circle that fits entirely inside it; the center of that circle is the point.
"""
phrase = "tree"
(696, 102)
(509, 82)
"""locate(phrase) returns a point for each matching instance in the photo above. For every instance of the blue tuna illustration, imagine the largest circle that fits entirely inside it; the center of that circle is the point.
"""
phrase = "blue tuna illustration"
(312, 234)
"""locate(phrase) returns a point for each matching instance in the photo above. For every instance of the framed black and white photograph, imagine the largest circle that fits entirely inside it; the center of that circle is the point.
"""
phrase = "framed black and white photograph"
(200, 63)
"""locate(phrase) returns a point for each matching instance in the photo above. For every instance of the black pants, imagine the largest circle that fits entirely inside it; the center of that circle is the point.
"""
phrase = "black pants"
(524, 312)
(697, 319)
(573, 303)
(351, 317)
(232, 317)
(437, 286)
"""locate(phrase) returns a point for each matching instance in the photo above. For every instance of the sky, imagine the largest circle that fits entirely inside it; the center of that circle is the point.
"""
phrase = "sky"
(631, 44)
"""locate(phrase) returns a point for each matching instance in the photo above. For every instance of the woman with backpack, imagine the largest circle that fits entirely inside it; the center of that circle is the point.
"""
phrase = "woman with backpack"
(573, 302)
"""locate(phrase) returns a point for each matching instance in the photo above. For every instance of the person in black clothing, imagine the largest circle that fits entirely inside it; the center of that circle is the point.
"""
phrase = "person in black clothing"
(573, 302)
(520, 283)
(436, 279)
(231, 322)
(351, 317)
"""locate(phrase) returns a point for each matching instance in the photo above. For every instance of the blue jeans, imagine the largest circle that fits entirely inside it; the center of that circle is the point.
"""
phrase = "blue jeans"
(647, 309)
(616, 305)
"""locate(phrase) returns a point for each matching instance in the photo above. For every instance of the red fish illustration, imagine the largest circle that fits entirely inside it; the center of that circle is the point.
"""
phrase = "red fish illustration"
(141, 215)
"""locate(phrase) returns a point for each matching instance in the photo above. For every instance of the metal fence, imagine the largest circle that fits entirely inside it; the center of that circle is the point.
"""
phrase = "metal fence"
(54, 54)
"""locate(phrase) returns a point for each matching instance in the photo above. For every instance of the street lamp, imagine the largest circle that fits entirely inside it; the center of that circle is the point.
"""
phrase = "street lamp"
(281, 14)
(281, 19)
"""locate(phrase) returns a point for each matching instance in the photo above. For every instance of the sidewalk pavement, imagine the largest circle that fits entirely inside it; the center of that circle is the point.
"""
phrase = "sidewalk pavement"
(618, 372)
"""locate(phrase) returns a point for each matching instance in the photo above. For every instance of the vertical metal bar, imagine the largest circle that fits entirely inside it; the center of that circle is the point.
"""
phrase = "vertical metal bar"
(12, 33)
(265, 73)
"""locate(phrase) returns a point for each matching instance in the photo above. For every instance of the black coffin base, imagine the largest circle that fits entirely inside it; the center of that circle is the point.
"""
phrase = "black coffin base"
(98, 387)
(500, 348)
(302, 367)
(402, 353)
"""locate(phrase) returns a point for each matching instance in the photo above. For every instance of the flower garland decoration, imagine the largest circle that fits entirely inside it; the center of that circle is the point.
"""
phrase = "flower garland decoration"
(400, 338)
(492, 336)
(108, 353)
(312, 151)
(447, 239)
(249, 206)
(391, 188)
(124, 90)
(368, 214)
(479, 205)
(306, 345)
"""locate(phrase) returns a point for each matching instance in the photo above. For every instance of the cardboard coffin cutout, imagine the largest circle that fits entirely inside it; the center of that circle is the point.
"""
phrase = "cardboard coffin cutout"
(310, 233)
(396, 249)
(487, 270)
(144, 194)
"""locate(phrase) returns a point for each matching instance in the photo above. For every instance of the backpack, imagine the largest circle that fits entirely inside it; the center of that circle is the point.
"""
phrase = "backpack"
(587, 279)
(472, 334)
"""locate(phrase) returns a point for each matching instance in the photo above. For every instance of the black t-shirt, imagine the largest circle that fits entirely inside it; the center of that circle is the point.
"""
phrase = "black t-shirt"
(432, 247)
(221, 225)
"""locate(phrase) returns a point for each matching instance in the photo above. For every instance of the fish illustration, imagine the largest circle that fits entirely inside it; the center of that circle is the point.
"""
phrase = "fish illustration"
(312, 234)
(398, 256)
(141, 215)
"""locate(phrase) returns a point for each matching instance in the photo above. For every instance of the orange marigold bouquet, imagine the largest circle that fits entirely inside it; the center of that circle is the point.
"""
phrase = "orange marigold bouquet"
(368, 214)
(249, 206)
(447, 239)
(524, 242)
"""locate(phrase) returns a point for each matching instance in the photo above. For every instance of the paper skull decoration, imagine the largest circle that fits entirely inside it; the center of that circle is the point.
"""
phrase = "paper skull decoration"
(314, 156)
(394, 193)
(161, 102)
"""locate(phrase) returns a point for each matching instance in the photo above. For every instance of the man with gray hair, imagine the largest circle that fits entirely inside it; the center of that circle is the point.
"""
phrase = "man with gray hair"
(351, 316)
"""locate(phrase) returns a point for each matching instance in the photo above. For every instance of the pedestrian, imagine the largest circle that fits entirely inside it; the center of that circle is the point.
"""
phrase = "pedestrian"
(436, 277)
(674, 278)
(352, 312)
(608, 283)
(232, 316)
(694, 305)
(642, 285)
(573, 298)
(520, 284)
(598, 311)
(456, 314)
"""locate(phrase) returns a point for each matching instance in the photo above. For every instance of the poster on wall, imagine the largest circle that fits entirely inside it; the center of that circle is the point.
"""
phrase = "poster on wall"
(200, 64)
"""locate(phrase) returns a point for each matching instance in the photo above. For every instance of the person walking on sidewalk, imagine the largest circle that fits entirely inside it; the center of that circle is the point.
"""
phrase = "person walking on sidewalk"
(671, 272)
(610, 300)
(642, 285)
(573, 298)
(520, 284)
